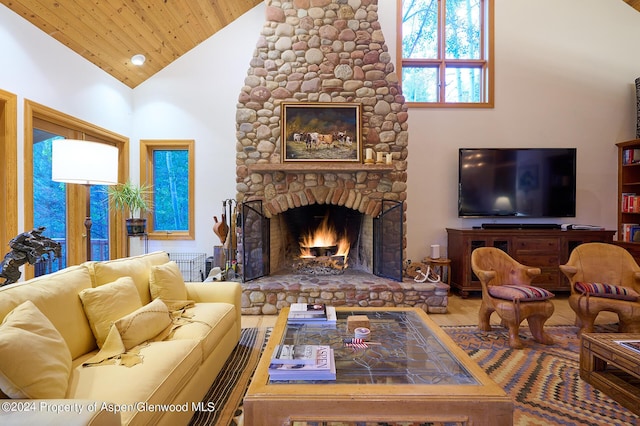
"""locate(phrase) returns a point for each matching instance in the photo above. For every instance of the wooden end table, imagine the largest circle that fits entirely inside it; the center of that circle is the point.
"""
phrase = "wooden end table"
(612, 368)
(441, 266)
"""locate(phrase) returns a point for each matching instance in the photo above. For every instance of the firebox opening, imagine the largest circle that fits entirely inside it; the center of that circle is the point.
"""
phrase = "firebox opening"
(322, 239)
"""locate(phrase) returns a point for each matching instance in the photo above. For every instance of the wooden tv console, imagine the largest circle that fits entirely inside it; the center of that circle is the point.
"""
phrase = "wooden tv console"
(543, 248)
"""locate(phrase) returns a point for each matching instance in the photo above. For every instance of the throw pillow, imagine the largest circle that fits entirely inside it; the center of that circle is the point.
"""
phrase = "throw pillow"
(522, 293)
(607, 290)
(166, 282)
(143, 324)
(35, 361)
(108, 303)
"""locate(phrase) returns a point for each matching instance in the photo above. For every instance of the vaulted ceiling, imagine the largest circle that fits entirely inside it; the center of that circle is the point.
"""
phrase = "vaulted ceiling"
(109, 32)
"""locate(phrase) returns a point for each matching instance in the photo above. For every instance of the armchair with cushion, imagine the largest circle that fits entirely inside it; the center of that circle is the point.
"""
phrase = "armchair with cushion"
(604, 277)
(507, 290)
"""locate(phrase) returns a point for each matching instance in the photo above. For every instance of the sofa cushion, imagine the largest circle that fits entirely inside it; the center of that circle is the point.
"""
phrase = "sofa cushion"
(606, 290)
(207, 323)
(35, 361)
(143, 324)
(166, 367)
(136, 267)
(56, 296)
(522, 293)
(108, 303)
(166, 282)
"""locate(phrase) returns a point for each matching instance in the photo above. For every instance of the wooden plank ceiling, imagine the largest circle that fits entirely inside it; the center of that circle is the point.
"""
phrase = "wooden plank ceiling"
(109, 32)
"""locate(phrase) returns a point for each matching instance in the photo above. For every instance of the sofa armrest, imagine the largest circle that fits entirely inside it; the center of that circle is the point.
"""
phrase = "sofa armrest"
(57, 412)
(217, 291)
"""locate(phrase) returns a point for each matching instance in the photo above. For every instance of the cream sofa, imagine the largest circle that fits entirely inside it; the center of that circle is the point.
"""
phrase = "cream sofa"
(172, 375)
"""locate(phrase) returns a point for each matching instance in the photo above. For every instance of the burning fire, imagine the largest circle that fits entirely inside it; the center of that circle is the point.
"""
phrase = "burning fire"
(325, 236)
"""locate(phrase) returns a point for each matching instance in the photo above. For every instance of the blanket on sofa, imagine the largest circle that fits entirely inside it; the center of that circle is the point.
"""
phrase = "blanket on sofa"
(153, 322)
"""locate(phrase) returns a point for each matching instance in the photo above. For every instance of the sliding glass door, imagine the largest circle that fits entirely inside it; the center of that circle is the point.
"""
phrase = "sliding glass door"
(60, 207)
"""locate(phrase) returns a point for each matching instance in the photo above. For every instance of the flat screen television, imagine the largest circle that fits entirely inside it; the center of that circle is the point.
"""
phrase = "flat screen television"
(517, 182)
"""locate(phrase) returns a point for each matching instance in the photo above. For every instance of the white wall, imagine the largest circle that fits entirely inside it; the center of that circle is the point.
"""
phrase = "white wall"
(564, 77)
(565, 74)
(36, 67)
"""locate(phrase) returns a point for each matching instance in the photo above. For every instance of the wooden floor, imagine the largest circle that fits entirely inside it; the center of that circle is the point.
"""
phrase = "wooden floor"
(465, 312)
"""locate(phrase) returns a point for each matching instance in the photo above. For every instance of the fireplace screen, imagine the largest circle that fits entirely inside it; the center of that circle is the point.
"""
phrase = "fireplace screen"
(255, 241)
(387, 241)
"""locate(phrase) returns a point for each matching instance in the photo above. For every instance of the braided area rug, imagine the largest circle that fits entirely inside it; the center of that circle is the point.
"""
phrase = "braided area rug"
(544, 381)
(231, 384)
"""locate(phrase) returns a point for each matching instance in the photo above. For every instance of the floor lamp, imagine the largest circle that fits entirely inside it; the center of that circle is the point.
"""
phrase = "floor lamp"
(84, 163)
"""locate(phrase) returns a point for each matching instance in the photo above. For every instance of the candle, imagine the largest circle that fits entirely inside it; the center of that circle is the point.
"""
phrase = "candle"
(389, 158)
(379, 157)
(369, 154)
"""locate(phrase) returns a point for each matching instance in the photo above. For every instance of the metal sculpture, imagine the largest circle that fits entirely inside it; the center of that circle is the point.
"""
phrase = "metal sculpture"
(31, 247)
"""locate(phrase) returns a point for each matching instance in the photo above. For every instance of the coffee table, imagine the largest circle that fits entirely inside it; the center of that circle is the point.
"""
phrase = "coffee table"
(416, 374)
(611, 368)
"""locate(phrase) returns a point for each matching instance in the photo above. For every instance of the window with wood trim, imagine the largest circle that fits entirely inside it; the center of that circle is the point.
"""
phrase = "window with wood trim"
(167, 166)
(445, 52)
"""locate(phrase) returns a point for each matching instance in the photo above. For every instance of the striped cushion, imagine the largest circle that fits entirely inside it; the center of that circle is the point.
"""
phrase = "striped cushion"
(607, 290)
(522, 293)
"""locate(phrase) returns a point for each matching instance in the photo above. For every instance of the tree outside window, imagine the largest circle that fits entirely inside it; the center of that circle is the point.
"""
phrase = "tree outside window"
(168, 167)
(446, 52)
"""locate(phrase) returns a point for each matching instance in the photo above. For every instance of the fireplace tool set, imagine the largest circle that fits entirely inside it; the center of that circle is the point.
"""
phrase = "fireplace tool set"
(225, 229)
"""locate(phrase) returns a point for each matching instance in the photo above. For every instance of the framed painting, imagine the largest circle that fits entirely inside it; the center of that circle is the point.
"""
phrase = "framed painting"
(321, 132)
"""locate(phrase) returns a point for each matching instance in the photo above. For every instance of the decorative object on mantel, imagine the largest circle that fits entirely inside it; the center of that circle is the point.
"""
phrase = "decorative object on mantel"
(31, 247)
(369, 157)
(321, 131)
(379, 157)
(389, 158)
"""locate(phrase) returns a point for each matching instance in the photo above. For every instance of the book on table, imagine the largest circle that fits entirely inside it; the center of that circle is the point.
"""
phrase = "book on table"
(298, 315)
(323, 369)
(299, 354)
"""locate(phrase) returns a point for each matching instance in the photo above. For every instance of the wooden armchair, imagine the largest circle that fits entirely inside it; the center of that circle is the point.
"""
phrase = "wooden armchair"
(507, 290)
(604, 277)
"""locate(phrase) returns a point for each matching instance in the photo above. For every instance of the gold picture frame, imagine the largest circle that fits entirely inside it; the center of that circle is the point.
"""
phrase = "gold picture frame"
(321, 131)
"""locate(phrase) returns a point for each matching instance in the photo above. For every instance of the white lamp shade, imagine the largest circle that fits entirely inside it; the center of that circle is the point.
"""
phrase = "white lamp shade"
(84, 162)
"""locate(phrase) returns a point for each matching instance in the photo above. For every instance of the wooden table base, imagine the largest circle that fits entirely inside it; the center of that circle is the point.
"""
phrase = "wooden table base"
(611, 368)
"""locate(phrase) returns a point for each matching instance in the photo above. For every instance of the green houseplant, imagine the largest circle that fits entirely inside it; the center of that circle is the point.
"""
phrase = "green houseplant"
(136, 199)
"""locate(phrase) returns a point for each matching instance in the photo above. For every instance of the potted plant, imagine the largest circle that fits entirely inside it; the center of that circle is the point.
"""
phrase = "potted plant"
(134, 198)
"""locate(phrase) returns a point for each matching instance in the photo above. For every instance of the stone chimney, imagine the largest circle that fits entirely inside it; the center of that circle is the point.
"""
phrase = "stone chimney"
(321, 51)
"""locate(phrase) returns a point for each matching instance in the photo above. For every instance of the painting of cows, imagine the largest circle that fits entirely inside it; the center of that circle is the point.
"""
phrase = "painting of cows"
(321, 132)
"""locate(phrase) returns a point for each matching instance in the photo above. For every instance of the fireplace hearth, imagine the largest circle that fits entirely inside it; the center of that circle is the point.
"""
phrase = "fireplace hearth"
(269, 294)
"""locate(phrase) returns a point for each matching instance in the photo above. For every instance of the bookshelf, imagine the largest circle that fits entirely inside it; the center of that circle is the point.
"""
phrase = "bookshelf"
(629, 196)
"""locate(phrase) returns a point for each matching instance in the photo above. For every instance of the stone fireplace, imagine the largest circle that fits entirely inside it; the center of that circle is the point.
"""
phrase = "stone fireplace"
(321, 51)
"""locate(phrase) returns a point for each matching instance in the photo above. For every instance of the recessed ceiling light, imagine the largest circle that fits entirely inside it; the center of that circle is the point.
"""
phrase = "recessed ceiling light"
(138, 59)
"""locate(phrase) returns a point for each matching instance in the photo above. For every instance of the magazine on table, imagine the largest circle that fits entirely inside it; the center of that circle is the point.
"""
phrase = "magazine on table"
(324, 370)
(309, 311)
(300, 354)
(634, 345)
